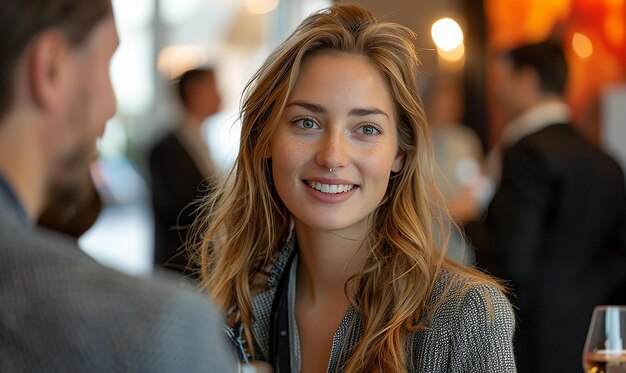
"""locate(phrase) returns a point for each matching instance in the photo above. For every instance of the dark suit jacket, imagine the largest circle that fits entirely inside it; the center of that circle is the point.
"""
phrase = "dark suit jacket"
(60, 311)
(556, 229)
(177, 186)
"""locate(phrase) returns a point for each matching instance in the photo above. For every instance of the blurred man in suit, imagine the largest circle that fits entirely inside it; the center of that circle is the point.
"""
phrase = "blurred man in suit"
(556, 227)
(181, 170)
(60, 310)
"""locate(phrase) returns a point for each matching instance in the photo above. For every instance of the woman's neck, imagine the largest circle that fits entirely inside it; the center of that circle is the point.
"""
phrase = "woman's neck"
(325, 263)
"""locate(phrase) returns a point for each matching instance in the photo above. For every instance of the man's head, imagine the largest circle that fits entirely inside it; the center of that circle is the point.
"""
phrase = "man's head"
(530, 74)
(197, 90)
(55, 93)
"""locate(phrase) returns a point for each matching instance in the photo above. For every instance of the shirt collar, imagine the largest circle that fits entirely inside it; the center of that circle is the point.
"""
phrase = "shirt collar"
(11, 197)
(534, 120)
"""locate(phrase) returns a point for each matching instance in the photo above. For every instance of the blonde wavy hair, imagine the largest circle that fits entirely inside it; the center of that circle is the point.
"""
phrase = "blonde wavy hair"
(245, 222)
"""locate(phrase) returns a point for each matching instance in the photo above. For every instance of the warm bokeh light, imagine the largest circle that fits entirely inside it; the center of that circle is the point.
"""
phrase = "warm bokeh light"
(520, 21)
(594, 34)
(176, 59)
(614, 27)
(453, 55)
(260, 6)
(447, 34)
(581, 45)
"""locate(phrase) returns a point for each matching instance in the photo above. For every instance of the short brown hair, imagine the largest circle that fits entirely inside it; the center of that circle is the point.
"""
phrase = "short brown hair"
(22, 20)
(548, 60)
(189, 78)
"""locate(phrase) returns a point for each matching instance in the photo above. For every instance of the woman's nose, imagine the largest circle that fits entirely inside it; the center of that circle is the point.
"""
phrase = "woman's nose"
(334, 151)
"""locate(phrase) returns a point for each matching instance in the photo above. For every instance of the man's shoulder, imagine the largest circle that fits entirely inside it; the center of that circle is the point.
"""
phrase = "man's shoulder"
(558, 138)
(57, 296)
(563, 146)
(169, 149)
(52, 263)
(549, 138)
(162, 141)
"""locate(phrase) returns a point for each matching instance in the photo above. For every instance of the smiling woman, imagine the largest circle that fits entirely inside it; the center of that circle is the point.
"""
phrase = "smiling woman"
(335, 119)
(321, 245)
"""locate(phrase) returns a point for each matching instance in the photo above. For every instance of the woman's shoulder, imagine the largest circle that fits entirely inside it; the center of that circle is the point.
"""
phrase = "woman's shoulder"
(470, 326)
(458, 293)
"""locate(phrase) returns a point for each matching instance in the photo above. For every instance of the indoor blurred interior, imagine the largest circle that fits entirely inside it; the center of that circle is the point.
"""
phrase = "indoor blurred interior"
(160, 39)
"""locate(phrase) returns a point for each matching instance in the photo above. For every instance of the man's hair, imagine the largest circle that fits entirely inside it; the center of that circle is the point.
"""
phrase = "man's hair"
(188, 79)
(547, 59)
(21, 21)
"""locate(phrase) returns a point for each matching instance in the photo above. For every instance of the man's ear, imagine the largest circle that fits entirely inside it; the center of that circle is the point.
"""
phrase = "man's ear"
(47, 64)
(398, 161)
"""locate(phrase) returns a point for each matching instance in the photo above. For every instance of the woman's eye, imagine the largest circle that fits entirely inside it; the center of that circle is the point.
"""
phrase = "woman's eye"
(369, 130)
(305, 123)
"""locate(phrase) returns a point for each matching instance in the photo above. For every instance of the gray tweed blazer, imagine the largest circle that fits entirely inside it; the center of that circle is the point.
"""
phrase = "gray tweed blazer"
(60, 311)
(470, 335)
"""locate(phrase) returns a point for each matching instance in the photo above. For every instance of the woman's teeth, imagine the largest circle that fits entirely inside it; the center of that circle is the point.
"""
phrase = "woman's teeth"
(331, 189)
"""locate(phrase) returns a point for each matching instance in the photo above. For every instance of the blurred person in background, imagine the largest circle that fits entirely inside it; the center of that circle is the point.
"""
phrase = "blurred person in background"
(556, 227)
(62, 311)
(459, 157)
(181, 170)
(321, 246)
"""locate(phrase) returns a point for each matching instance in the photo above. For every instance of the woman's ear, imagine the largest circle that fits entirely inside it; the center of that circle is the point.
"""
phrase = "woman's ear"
(398, 162)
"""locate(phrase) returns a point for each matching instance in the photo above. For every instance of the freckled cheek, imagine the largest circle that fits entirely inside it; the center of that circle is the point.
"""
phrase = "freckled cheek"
(375, 162)
(376, 168)
(287, 161)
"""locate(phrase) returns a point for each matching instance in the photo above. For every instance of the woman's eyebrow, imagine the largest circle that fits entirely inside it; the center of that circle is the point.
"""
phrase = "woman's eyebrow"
(319, 109)
(359, 112)
(315, 108)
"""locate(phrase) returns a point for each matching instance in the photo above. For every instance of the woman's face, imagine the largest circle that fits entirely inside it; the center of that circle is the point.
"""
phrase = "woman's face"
(340, 116)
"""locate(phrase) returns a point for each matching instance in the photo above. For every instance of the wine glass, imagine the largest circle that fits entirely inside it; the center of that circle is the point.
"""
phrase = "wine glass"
(604, 348)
